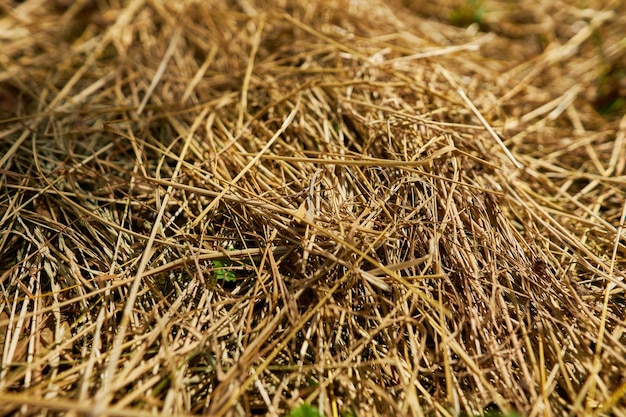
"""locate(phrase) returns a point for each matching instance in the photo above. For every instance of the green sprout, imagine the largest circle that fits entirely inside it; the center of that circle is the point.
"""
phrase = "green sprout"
(305, 410)
(227, 270)
(472, 12)
(223, 271)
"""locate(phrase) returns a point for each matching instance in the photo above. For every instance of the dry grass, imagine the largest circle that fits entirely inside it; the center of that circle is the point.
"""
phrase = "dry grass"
(386, 252)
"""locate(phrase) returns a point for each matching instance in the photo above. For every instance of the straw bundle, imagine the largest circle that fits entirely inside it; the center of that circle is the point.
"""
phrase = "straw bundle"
(236, 208)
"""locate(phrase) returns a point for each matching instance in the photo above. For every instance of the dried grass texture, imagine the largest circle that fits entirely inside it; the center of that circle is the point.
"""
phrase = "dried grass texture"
(385, 255)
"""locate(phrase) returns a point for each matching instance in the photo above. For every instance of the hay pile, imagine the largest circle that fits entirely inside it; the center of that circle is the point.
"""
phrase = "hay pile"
(233, 208)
